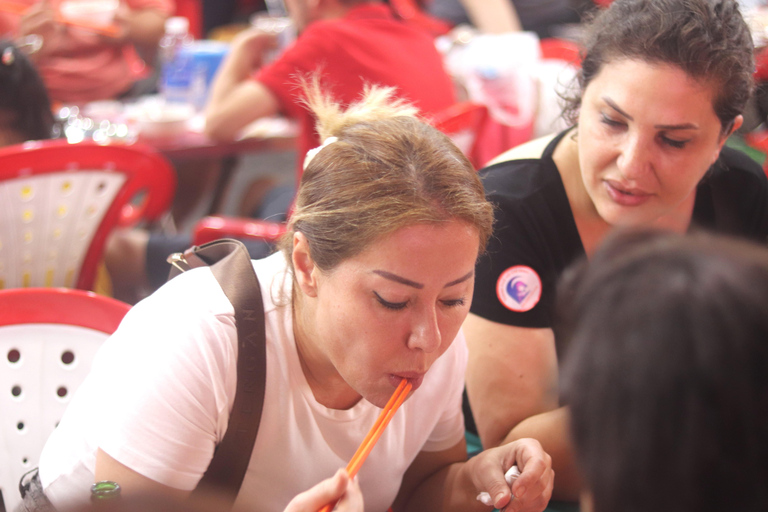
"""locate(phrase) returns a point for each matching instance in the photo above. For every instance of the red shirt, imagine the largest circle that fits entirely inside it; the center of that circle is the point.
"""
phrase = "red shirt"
(368, 45)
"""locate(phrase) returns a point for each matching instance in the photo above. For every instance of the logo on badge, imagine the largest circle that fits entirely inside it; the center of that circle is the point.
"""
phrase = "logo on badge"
(519, 288)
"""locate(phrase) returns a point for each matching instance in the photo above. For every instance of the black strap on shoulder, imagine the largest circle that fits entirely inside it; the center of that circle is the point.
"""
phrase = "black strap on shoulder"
(231, 265)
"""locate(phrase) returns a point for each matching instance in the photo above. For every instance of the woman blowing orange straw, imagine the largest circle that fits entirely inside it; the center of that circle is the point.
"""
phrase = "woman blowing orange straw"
(373, 281)
(398, 397)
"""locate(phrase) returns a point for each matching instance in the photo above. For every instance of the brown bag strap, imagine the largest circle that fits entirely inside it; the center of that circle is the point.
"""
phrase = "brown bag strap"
(231, 265)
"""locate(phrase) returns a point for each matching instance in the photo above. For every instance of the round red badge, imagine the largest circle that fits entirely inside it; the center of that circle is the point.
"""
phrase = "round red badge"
(519, 288)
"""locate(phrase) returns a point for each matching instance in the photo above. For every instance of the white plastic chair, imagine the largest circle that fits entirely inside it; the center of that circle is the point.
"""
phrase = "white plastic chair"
(59, 201)
(48, 338)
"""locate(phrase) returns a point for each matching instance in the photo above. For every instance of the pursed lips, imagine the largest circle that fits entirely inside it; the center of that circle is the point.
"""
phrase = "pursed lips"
(624, 194)
(415, 378)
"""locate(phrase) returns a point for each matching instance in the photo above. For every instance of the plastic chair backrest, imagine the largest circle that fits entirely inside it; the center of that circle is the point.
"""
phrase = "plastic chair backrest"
(214, 227)
(48, 338)
(561, 49)
(462, 122)
(59, 201)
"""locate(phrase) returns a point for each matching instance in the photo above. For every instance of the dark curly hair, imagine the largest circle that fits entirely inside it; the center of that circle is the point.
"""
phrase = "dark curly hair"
(708, 39)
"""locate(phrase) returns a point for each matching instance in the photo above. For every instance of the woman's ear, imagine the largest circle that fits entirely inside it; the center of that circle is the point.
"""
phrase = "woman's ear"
(304, 267)
(737, 122)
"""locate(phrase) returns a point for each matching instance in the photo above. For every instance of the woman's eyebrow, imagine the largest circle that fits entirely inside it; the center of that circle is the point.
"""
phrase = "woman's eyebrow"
(461, 279)
(682, 126)
(414, 284)
(615, 107)
(398, 279)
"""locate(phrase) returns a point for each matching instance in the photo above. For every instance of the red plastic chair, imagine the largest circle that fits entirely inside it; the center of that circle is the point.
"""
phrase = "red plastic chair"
(59, 201)
(758, 140)
(214, 227)
(561, 49)
(462, 122)
(48, 338)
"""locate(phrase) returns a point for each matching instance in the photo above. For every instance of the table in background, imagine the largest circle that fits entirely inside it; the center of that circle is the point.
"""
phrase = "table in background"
(194, 145)
(119, 122)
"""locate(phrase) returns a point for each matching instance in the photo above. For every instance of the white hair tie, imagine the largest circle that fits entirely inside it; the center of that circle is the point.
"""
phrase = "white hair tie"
(312, 152)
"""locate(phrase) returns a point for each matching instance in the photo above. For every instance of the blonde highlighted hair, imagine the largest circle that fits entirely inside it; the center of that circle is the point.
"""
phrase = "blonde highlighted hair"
(388, 169)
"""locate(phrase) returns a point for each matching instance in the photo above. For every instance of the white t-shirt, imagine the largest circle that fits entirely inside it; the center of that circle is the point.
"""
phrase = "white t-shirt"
(160, 391)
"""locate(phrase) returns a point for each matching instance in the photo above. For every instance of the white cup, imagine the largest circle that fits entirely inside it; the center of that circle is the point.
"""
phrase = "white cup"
(96, 12)
(281, 26)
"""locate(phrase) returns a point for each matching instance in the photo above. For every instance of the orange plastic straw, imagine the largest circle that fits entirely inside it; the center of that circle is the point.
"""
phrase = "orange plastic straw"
(397, 398)
(17, 8)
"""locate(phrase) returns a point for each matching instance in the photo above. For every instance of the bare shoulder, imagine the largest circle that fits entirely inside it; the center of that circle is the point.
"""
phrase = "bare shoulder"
(530, 149)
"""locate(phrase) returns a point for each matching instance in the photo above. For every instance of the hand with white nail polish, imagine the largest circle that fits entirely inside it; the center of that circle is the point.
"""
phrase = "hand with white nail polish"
(510, 476)
(527, 484)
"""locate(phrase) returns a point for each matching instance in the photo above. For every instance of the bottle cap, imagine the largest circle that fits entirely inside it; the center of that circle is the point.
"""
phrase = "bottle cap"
(176, 25)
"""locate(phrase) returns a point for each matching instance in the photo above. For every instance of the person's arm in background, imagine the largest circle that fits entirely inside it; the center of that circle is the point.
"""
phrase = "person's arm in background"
(493, 16)
(511, 382)
(236, 99)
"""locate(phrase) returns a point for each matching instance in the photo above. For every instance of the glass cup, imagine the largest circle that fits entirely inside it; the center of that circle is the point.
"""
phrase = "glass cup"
(281, 26)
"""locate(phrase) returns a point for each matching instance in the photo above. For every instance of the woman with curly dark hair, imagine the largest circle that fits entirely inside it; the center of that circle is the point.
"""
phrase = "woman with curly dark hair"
(661, 87)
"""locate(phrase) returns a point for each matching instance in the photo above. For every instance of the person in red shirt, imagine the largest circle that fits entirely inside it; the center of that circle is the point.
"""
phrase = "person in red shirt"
(346, 44)
(79, 65)
(350, 42)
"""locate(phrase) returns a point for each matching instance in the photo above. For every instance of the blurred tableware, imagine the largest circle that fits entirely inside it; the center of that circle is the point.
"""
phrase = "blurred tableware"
(83, 23)
(100, 13)
(280, 26)
(164, 120)
(276, 7)
(101, 121)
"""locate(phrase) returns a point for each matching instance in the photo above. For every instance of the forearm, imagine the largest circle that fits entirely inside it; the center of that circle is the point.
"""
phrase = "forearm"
(236, 99)
(448, 489)
(236, 69)
(552, 430)
(493, 16)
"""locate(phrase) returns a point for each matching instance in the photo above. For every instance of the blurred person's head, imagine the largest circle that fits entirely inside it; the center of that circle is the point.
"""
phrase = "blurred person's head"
(665, 373)
(25, 109)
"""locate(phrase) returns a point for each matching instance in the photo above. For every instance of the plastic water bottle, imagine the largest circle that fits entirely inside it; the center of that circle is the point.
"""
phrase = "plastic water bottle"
(176, 72)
